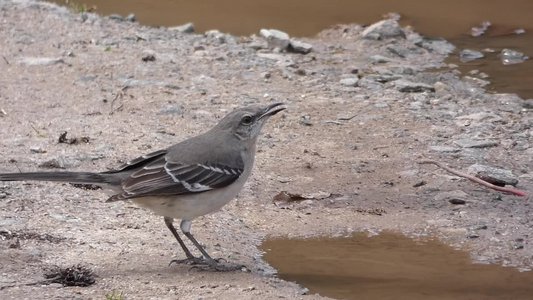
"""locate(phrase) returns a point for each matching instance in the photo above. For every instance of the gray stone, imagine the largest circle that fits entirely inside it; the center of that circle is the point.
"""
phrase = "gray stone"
(481, 29)
(528, 104)
(479, 118)
(493, 175)
(456, 201)
(306, 120)
(131, 18)
(508, 102)
(266, 75)
(471, 143)
(203, 80)
(379, 59)
(472, 235)
(438, 45)
(406, 86)
(456, 196)
(381, 105)
(442, 88)
(300, 47)
(384, 77)
(402, 51)
(518, 244)
(467, 55)
(369, 83)
(383, 30)
(116, 17)
(90, 18)
(282, 60)
(304, 291)
(148, 55)
(402, 70)
(350, 81)
(41, 61)
(36, 149)
(217, 35)
(480, 227)
(510, 57)
(444, 149)
(185, 28)
(476, 81)
(275, 38)
(258, 44)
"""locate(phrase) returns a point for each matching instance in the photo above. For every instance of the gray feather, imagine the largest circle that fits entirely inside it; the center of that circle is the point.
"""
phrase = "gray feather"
(73, 177)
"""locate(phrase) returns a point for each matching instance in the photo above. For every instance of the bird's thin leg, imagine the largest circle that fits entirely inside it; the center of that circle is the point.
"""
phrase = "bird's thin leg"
(186, 229)
(170, 225)
(212, 264)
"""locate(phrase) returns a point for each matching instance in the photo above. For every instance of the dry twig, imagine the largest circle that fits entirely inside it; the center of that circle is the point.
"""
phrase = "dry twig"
(120, 94)
(515, 192)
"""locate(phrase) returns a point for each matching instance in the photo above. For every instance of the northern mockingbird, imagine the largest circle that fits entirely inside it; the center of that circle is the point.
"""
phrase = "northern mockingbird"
(187, 180)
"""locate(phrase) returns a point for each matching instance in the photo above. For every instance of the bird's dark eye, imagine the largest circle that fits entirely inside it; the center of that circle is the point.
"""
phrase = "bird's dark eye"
(246, 120)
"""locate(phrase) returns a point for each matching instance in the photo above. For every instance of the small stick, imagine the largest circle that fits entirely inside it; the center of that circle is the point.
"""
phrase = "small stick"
(346, 118)
(515, 192)
(36, 130)
(333, 122)
(119, 95)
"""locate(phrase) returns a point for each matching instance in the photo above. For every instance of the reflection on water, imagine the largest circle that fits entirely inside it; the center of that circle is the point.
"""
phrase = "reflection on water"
(392, 266)
(451, 19)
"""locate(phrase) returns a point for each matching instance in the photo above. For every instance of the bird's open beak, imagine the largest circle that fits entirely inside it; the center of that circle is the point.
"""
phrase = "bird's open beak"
(272, 110)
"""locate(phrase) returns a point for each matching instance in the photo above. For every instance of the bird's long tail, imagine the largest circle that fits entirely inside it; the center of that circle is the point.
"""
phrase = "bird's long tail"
(72, 177)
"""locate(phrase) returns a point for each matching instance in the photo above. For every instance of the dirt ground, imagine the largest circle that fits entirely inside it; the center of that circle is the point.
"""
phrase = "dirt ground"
(124, 90)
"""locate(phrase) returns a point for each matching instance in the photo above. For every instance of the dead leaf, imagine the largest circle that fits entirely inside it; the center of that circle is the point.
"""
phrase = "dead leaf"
(285, 196)
(72, 141)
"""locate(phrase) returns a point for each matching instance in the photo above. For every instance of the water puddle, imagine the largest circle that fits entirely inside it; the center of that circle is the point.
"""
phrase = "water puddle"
(450, 19)
(392, 266)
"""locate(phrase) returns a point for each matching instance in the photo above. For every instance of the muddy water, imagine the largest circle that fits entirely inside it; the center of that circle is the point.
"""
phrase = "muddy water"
(391, 266)
(451, 19)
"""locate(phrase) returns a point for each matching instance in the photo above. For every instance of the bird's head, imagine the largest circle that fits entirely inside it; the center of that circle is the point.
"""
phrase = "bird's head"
(245, 123)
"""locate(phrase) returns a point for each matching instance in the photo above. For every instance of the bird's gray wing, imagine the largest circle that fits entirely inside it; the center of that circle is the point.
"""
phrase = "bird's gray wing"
(140, 161)
(162, 177)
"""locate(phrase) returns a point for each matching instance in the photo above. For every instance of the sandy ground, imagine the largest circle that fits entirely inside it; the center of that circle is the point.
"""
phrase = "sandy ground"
(353, 148)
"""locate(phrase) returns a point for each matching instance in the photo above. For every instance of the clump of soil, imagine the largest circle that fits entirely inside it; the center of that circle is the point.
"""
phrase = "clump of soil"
(77, 275)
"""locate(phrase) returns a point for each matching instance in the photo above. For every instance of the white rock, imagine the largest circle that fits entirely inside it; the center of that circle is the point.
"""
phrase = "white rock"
(350, 81)
(275, 38)
(185, 28)
(41, 61)
(379, 59)
(406, 86)
(382, 30)
(217, 35)
(300, 47)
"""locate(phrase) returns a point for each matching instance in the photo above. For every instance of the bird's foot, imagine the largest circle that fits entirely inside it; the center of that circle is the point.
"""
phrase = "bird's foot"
(203, 264)
(192, 261)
